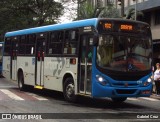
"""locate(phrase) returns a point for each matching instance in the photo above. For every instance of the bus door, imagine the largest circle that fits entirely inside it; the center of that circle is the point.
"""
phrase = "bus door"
(1, 54)
(39, 67)
(14, 50)
(86, 52)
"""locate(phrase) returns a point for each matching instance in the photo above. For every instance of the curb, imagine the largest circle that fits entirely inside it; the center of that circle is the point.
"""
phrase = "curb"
(155, 97)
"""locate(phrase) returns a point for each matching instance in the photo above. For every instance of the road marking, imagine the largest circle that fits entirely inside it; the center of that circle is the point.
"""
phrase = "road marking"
(37, 96)
(7, 87)
(11, 95)
(22, 94)
(148, 98)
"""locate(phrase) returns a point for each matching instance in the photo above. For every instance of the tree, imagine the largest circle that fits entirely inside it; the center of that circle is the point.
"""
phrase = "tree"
(110, 12)
(19, 14)
(130, 14)
(87, 10)
(70, 11)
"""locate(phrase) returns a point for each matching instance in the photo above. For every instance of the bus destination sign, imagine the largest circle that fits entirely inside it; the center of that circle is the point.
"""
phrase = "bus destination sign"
(122, 26)
(108, 25)
(126, 27)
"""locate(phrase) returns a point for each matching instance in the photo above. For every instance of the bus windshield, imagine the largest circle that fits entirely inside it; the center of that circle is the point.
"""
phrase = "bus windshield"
(124, 53)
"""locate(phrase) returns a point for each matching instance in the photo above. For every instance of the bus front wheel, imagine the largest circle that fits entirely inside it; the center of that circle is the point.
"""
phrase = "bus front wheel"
(21, 81)
(69, 90)
(119, 99)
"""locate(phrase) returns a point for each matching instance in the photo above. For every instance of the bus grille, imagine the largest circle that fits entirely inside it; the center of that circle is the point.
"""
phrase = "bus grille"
(123, 84)
(122, 91)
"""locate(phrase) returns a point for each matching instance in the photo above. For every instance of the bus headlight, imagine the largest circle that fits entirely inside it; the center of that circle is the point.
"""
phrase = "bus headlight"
(101, 80)
(149, 80)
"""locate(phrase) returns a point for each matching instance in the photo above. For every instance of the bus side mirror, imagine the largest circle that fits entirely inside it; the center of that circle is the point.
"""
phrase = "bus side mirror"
(95, 40)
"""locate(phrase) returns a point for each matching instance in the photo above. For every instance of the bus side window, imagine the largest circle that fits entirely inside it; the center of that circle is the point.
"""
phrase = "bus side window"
(30, 46)
(22, 45)
(1, 53)
(71, 42)
(90, 50)
(55, 43)
(7, 46)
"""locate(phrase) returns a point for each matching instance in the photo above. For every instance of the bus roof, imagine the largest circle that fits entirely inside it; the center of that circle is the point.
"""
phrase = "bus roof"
(74, 24)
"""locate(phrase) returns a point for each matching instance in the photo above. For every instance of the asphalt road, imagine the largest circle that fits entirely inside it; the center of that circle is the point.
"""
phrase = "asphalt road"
(51, 105)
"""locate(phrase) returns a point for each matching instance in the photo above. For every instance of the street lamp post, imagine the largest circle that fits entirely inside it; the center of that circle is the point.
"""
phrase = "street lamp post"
(122, 8)
(135, 9)
(121, 3)
(79, 2)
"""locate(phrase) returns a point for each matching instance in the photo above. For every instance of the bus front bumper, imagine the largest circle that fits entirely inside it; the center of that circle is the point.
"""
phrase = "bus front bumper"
(108, 91)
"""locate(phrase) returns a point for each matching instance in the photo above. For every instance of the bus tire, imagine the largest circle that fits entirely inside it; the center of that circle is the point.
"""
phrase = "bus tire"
(69, 90)
(119, 99)
(21, 85)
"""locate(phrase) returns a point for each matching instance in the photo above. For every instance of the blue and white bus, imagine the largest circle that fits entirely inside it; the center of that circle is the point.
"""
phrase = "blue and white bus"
(1, 55)
(94, 57)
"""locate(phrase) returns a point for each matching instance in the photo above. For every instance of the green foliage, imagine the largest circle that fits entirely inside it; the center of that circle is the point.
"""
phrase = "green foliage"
(20, 14)
(130, 14)
(110, 12)
(87, 10)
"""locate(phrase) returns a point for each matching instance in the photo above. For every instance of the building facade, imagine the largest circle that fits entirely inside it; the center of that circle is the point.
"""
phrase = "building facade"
(150, 8)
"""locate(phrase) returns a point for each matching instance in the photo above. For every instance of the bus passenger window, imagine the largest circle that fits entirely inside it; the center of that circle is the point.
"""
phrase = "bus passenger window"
(55, 43)
(90, 50)
(71, 42)
(73, 49)
(1, 53)
(67, 48)
(73, 35)
(32, 50)
(50, 51)
(29, 50)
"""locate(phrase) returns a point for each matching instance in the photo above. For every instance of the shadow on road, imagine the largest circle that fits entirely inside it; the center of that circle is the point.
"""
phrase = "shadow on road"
(85, 101)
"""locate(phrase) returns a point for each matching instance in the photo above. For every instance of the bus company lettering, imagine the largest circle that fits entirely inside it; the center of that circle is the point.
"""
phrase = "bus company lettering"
(87, 29)
(55, 66)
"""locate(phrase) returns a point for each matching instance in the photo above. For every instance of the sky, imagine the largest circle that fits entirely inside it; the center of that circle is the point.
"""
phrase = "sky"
(70, 11)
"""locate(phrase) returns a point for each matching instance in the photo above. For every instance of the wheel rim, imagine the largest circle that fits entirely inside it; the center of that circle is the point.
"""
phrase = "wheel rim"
(70, 90)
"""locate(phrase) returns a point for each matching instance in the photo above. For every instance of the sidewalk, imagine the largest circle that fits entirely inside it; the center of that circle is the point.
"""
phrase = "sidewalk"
(155, 96)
